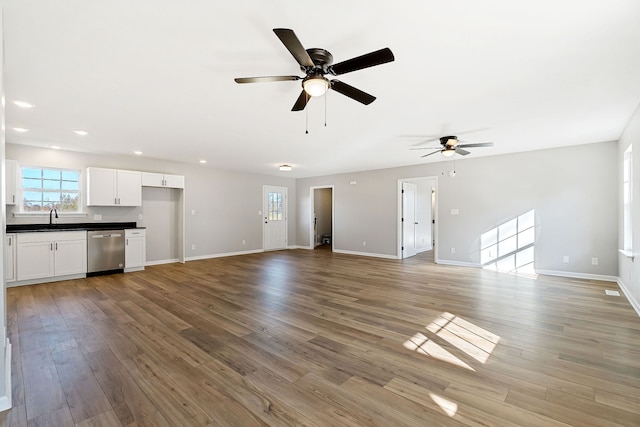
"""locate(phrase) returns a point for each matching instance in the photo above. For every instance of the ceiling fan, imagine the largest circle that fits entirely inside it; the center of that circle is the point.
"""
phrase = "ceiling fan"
(450, 146)
(316, 63)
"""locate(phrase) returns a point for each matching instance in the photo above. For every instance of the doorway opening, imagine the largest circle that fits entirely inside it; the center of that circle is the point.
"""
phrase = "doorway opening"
(417, 216)
(321, 231)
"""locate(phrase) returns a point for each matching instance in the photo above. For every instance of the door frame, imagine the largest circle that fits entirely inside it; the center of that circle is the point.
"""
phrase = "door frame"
(286, 216)
(312, 237)
(399, 215)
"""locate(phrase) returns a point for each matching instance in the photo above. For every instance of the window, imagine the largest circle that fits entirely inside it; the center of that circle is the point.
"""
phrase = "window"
(275, 207)
(627, 180)
(44, 189)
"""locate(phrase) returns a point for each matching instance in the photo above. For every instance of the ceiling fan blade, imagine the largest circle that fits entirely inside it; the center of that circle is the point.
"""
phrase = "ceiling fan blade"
(367, 60)
(352, 92)
(461, 151)
(291, 42)
(478, 144)
(437, 151)
(265, 79)
(426, 148)
(301, 102)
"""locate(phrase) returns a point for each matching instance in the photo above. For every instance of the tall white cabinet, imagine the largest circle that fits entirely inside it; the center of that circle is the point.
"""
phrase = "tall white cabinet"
(11, 181)
(113, 187)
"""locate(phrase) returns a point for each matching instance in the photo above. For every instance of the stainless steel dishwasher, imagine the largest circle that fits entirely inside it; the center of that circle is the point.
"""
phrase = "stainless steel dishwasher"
(105, 251)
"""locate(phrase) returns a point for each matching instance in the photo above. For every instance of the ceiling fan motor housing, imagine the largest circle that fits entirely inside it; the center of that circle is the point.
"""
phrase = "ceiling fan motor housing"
(321, 58)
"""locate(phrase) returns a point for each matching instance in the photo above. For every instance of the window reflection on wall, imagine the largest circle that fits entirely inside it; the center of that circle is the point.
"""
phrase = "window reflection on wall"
(510, 246)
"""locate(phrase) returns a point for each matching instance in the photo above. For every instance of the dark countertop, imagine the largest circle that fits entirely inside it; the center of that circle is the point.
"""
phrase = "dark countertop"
(76, 226)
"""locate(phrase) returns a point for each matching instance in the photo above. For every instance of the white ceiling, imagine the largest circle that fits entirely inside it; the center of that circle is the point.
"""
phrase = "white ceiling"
(157, 76)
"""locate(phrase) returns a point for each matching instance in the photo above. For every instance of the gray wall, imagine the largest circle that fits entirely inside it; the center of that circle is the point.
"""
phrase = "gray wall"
(569, 188)
(225, 204)
(629, 270)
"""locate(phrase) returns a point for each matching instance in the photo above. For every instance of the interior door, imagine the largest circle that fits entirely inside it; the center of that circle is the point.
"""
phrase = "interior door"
(275, 218)
(409, 223)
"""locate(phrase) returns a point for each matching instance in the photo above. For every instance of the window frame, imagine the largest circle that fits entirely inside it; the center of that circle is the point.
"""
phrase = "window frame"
(20, 190)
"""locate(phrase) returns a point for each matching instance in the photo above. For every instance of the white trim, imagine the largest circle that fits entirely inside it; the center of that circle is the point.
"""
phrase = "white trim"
(367, 254)
(574, 275)
(6, 400)
(457, 263)
(628, 254)
(162, 261)
(634, 303)
(299, 247)
(45, 280)
(200, 257)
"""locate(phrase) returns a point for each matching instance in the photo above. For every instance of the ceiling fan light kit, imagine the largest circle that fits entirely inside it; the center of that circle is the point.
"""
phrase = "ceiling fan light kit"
(315, 85)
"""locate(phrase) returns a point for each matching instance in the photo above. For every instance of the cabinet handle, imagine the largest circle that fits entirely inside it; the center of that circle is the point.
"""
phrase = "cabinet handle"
(13, 198)
(56, 246)
(50, 246)
(126, 242)
(10, 241)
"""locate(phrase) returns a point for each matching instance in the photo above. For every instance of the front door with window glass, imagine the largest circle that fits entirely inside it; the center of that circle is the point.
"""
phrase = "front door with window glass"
(275, 218)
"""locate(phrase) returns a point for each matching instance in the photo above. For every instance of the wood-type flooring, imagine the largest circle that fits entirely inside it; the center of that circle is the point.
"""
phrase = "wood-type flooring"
(314, 338)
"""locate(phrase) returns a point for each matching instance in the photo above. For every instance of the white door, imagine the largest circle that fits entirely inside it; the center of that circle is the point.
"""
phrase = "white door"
(275, 218)
(409, 223)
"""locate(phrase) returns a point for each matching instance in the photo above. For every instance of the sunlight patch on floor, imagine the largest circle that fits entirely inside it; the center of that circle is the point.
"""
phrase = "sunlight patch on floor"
(472, 340)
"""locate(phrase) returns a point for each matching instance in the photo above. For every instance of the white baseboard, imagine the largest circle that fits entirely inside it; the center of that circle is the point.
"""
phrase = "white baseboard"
(457, 263)
(199, 257)
(629, 295)
(368, 254)
(162, 261)
(574, 275)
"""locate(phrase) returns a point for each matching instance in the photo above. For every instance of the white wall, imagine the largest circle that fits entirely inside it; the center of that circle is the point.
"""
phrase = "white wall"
(570, 189)
(225, 203)
(629, 270)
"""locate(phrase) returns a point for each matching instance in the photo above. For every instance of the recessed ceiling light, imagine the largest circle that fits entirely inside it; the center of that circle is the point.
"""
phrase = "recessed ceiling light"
(285, 168)
(23, 104)
(81, 132)
(21, 130)
(137, 153)
(203, 161)
(55, 147)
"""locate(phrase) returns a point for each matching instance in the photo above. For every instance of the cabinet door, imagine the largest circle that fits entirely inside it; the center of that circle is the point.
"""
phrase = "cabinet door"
(174, 181)
(129, 188)
(135, 253)
(11, 170)
(101, 187)
(150, 179)
(70, 257)
(10, 258)
(34, 260)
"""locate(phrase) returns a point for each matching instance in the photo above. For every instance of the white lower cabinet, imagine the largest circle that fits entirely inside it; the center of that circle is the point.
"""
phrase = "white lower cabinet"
(51, 254)
(10, 257)
(135, 249)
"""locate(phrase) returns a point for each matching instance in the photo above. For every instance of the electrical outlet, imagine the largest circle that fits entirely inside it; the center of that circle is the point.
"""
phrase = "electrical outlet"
(97, 217)
(193, 211)
(565, 259)
(140, 217)
(244, 242)
(193, 247)
(453, 250)
(594, 261)
(364, 243)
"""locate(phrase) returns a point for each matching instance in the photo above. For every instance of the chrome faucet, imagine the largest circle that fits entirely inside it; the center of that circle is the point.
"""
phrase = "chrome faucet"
(52, 211)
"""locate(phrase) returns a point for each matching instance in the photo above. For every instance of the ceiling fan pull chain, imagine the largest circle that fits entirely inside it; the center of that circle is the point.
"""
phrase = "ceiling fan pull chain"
(306, 118)
(325, 108)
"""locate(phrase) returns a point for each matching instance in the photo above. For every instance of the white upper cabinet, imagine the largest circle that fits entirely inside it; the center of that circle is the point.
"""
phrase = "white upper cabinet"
(11, 181)
(113, 187)
(150, 179)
